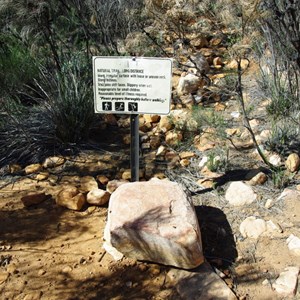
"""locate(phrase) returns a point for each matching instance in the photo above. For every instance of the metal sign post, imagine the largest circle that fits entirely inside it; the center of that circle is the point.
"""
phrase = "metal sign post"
(132, 85)
(134, 147)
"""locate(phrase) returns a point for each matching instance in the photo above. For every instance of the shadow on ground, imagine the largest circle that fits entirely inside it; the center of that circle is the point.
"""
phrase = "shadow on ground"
(218, 241)
(37, 223)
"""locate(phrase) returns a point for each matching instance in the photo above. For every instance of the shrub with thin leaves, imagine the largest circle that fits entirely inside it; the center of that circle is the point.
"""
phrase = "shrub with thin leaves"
(69, 101)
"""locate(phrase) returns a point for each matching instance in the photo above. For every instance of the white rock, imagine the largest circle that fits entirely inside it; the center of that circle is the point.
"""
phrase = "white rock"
(153, 221)
(252, 227)
(273, 227)
(275, 160)
(97, 197)
(203, 162)
(269, 203)
(161, 150)
(286, 283)
(235, 114)
(189, 84)
(293, 243)
(239, 193)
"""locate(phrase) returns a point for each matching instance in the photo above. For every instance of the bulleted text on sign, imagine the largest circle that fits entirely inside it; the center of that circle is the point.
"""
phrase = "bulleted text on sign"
(132, 85)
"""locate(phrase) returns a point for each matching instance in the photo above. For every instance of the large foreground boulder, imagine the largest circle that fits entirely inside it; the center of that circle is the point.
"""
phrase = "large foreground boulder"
(153, 221)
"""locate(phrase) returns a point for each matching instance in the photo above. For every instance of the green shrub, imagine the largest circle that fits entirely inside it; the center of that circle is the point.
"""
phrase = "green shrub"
(209, 118)
(284, 137)
(217, 160)
(70, 101)
(17, 66)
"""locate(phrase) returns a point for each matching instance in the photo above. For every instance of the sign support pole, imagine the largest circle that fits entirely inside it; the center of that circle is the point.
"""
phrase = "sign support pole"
(134, 147)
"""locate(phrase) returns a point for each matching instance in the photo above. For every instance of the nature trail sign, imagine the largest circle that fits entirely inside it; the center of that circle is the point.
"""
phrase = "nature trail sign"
(132, 85)
(129, 85)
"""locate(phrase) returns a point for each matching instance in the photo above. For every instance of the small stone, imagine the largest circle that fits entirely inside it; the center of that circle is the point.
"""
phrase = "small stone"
(67, 269)
(186, 155)
(233, 64)
(126, 175)
(14, 169)
(269, 203)
(217, 61)
(235, 114)
(265, 282)
(34, 168)
(259, 179)
(286, 283)
(161, 150)
(206, 183)
(103, 179)
(273, 227)
(252, 227)
(293, 162)
(91, 209)
(42, 176)
(97, 197)
(203, 162)
(87, 183)
(220, 106)
(189, 83)
(53, 161)
(239, 193)
(184, 162)
(33, 199)
(114, 184)
(71, 198)
(232, 131)
(41, 272)
(165, 124)
(275, 160)
(173, 138)
(293, 243)
(154, 270)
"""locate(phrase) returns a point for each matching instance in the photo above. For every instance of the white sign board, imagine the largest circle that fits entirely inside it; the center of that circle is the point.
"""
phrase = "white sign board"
(128, 85)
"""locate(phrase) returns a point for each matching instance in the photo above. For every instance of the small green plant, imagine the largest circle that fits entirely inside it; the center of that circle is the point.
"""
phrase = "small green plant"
(217, 160)
(209, 118)
(283, 138)
(281, 178)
